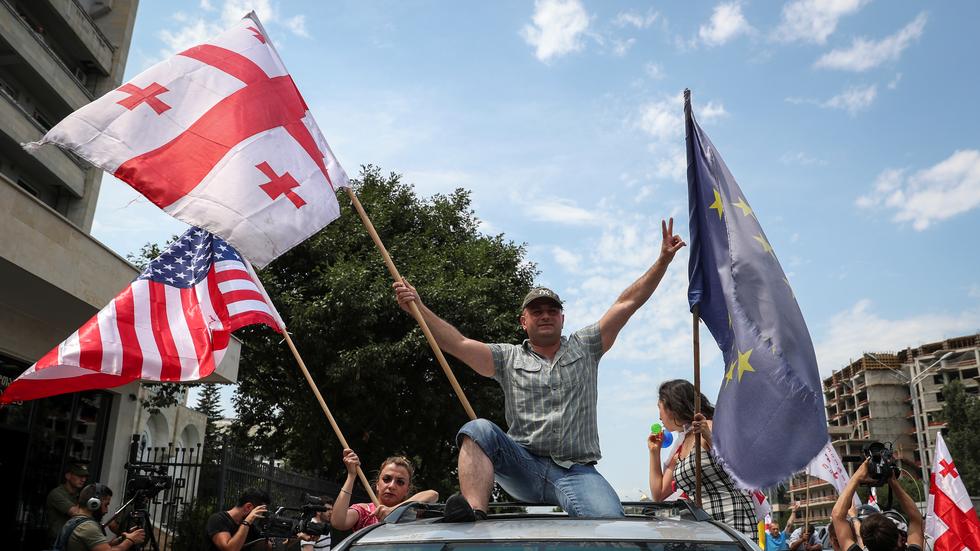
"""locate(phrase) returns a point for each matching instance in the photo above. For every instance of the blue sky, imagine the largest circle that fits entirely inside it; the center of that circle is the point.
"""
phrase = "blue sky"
(850, 126)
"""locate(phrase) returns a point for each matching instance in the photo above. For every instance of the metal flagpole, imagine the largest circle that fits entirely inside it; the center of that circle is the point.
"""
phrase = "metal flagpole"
(413, 307)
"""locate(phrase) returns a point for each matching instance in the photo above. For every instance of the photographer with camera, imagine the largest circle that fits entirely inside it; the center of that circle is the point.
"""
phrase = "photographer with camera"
(878, 531)
(230, 530)
(83, 532)
(321, 519)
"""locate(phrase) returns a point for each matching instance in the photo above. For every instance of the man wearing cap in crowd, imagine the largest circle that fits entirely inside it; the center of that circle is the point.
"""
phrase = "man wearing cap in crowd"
(549, 452)
(60, 504)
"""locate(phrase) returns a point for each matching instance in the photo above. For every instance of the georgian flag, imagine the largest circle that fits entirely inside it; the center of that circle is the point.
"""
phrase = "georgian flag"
(219, 137)
(827, 466)
(951, 520)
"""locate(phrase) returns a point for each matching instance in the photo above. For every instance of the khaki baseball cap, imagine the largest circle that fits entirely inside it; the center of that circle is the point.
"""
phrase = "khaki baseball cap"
(77, 469)
(541, 292)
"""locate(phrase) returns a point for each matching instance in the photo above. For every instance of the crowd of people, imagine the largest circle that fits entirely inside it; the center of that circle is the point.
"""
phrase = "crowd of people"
(549, 452)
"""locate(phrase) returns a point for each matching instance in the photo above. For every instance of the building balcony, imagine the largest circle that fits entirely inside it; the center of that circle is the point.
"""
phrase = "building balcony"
(48, 162)
(70, 15)
(43, 63)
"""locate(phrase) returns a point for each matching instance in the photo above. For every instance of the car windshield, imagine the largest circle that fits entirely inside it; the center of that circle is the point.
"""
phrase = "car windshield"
(553, 546)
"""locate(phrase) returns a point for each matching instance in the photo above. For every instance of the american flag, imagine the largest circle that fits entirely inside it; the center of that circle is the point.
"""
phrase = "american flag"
(172, 323)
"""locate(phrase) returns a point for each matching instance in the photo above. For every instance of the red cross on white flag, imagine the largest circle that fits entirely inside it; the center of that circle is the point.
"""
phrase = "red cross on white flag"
(951, 520)
(219, 137)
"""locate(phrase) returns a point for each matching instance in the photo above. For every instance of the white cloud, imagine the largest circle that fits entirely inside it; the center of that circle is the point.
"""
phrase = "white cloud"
(931, 195)
(800, 158)
(859, 329)
(813, 20)
(621, 47)
(865, 54)
(297, 25)
(566, 259)
(430, 181)
(727, 22)
(854, 99)
(664, 118)
(712, 111)
(233, 10)
(557, 29)
(635, 19)
(673, 166)
(562, 211)
(974, 291)
(654, 71)
(893, 83)
(195, 30)
(190, 34)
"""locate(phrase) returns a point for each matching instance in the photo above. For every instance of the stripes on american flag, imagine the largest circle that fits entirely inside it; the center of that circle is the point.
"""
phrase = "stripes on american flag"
(172, 323)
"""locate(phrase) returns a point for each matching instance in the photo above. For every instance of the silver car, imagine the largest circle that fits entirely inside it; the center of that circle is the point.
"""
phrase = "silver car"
(676, 526)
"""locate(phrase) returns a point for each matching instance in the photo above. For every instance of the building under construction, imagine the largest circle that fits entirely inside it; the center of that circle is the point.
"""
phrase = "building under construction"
(893, 397)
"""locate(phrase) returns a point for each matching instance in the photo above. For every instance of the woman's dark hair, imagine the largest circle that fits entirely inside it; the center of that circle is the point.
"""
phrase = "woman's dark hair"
(678, 397)
(879, 533)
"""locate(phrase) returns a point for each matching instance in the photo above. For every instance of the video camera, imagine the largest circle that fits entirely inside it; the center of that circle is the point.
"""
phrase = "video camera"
(278, 525)
(882, 463)
(146, 480)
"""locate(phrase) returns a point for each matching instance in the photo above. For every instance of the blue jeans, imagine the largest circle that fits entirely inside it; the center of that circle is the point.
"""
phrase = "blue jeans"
(580, 490)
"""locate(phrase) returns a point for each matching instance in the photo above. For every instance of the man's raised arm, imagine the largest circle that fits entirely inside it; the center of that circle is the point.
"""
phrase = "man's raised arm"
(636, 295)
(471, 352)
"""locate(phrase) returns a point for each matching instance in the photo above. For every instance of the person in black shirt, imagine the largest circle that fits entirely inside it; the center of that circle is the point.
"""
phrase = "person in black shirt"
(878, 532)
(230, 530)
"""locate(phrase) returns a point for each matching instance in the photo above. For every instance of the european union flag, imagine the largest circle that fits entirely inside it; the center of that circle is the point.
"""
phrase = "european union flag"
(769, 419)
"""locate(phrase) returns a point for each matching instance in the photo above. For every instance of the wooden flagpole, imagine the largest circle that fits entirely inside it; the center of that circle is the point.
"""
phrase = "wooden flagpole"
(309, 380)
(806, 517)
(697, 402)
(413, 307)
(326, 410)
(696, 311)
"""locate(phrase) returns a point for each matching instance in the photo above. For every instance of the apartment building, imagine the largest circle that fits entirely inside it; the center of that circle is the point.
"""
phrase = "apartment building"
(891, 397)
(55, 57)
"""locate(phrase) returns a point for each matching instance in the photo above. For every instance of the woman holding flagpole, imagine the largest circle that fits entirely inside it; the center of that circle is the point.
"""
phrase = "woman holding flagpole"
(393, 486)
(719, 496)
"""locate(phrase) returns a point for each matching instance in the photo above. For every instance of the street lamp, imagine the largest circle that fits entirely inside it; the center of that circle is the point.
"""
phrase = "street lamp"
(920, 431)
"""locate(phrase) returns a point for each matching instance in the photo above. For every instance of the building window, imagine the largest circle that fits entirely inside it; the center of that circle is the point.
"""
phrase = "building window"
(940, 397)
(938, 379)
(42, 120)
(27, 187)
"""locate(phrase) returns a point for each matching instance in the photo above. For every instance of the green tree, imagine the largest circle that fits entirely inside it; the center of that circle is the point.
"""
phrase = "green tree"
(961, 411)
(209, 403)
(369, 359)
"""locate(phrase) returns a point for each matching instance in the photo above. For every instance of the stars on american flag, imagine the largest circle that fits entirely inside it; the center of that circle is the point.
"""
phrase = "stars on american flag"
(187, 260)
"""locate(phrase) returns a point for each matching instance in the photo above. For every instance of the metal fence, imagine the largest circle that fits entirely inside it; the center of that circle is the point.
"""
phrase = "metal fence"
(200, 484)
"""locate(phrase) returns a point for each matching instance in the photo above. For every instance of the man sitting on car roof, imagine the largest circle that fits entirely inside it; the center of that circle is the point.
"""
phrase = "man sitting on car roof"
(549, 453)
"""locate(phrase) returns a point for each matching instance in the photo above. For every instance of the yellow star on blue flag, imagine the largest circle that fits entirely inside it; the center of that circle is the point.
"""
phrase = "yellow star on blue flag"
(771, 384)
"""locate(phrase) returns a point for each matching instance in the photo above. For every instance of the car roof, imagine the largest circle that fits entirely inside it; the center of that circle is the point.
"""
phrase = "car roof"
(550, 528)
(522, 528)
